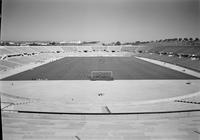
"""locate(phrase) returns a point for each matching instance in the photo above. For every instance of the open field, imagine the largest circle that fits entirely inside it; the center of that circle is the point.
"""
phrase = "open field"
(80, 68)
(114, 92)
(41, 109)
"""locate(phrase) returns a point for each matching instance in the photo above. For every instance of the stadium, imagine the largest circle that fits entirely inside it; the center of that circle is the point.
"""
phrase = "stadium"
(100, 70)
(100, 92)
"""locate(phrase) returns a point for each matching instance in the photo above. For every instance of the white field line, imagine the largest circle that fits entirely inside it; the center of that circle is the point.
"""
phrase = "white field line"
(171, 66)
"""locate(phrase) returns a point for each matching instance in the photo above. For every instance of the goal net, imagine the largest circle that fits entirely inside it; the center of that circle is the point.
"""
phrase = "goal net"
(101, 75)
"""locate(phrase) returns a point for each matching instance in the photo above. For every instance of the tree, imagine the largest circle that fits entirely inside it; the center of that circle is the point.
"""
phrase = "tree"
(118, 43)
(137, 42)
(52, 43)
(196, 39)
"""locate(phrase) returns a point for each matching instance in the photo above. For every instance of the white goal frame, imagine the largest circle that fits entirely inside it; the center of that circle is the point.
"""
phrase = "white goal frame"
(101, 75)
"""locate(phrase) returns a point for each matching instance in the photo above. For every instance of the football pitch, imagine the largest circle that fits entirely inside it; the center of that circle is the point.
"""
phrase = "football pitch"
(80, 68)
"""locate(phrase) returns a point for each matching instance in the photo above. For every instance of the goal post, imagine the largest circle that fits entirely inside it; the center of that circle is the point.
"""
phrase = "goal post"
(101, 75)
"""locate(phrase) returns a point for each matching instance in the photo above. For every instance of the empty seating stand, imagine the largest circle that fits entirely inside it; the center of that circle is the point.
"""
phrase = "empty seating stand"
(69, 49)
(3, 68)
(84, 48)
(15, 49)
(4, 51)
(55, 48)
(22, 60)
(8, 64)
(128, 49)
(27, 50)
(114, 48)
(99, 48)
(40, 48)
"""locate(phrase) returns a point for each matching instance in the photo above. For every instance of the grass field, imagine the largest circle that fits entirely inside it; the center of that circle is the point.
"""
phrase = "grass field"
(80, 68)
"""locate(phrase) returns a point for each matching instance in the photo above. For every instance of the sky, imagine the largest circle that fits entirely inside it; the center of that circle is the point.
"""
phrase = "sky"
(102, 20)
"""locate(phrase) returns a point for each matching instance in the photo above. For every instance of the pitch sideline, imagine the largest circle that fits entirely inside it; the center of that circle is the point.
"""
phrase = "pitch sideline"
(171, 66)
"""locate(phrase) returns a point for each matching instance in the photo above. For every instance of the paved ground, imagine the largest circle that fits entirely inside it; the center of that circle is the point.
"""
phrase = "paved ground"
(79, 68)
(114, 92)
(175, 126)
